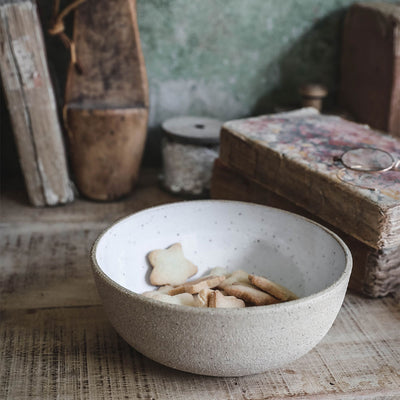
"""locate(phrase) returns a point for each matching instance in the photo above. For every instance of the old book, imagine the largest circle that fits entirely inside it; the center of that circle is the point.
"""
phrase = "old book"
(106, 106)
(376, 273)
(370, 65)
(294, 157)
(31, 103)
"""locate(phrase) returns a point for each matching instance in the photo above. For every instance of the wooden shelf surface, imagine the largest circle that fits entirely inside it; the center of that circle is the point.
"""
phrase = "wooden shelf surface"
(56, 341)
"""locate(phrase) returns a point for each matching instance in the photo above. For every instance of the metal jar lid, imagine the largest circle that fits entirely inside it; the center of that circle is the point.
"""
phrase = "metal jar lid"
(193, 130)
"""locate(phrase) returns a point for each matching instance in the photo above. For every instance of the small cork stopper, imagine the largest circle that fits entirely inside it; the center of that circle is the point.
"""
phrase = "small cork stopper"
(312, 95)
(313, 90)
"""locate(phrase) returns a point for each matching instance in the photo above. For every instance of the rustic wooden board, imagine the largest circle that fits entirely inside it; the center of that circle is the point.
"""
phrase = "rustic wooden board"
(47, 266)
(73, 353)
(13, 208)
(370, 65)
(56, 342)
(108, 48)
(32, 105)
(106, 106)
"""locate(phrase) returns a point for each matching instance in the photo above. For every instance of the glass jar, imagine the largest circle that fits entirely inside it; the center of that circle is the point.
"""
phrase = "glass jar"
(190, 146)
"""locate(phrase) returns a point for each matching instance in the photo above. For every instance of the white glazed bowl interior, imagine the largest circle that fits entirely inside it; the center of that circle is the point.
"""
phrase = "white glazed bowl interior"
(289, 249)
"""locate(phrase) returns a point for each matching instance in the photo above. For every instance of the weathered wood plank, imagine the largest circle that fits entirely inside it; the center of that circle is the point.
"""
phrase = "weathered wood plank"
(74, 353)
(32, 105)
(13, 203)
(49, 267)
(45, 252)
(106, 106)
(370, 65)
(55, 340)
(108, 48)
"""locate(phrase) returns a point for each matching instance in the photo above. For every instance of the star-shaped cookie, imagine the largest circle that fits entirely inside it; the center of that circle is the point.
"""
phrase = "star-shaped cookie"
(170, 267)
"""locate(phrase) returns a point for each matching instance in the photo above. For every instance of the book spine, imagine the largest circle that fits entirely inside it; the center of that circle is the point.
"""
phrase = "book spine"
(32, 105)
(318, 194)
(376, 273)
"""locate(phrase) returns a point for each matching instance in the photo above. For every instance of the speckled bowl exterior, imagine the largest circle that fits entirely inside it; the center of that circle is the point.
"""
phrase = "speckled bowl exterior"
(303, 255)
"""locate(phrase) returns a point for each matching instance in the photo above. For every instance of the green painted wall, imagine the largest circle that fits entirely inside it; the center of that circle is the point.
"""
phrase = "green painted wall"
(227, 58)
(234, 58)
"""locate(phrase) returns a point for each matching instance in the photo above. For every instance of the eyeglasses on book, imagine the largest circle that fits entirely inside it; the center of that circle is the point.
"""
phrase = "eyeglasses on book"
(366, 162)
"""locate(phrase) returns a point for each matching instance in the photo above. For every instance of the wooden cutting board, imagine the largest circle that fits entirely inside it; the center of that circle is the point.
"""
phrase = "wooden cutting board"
(106, 107)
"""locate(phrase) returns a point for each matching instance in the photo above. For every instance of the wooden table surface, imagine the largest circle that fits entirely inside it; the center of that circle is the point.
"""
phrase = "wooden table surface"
(56, 342)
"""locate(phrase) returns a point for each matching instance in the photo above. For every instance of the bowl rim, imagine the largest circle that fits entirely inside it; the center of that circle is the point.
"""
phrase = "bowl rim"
(97, 270)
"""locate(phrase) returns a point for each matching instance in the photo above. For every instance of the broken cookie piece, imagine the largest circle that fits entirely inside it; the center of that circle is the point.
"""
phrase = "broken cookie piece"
(238, 276)
(250, 294)
(184, 299)
(218, 300)
(201, 299)
(170, 267)
(193, 287)
(280, 292)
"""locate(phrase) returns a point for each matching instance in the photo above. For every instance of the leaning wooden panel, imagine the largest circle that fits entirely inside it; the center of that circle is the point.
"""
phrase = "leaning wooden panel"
(106, 108)
(370, 65)
(31, 103)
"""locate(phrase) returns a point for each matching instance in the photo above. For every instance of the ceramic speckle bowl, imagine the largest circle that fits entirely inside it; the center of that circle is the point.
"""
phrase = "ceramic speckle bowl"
(291, 250)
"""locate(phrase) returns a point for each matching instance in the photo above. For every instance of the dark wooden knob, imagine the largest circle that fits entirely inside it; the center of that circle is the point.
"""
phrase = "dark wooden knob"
(312, 95)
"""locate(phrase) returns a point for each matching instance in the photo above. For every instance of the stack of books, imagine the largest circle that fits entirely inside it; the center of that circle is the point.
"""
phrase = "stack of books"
(293, 161)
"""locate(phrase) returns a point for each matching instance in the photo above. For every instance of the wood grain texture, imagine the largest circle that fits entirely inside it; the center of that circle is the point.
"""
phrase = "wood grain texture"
(108, 48)
(74, 353)
(370, 65)
(106, 106)
(47, 267)
(13, 210)
(106, 150)
(31, 104)
(56, 342)
(375, 272)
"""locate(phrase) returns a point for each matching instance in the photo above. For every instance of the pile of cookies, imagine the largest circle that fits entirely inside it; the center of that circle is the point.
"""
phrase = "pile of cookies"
(218, 289)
